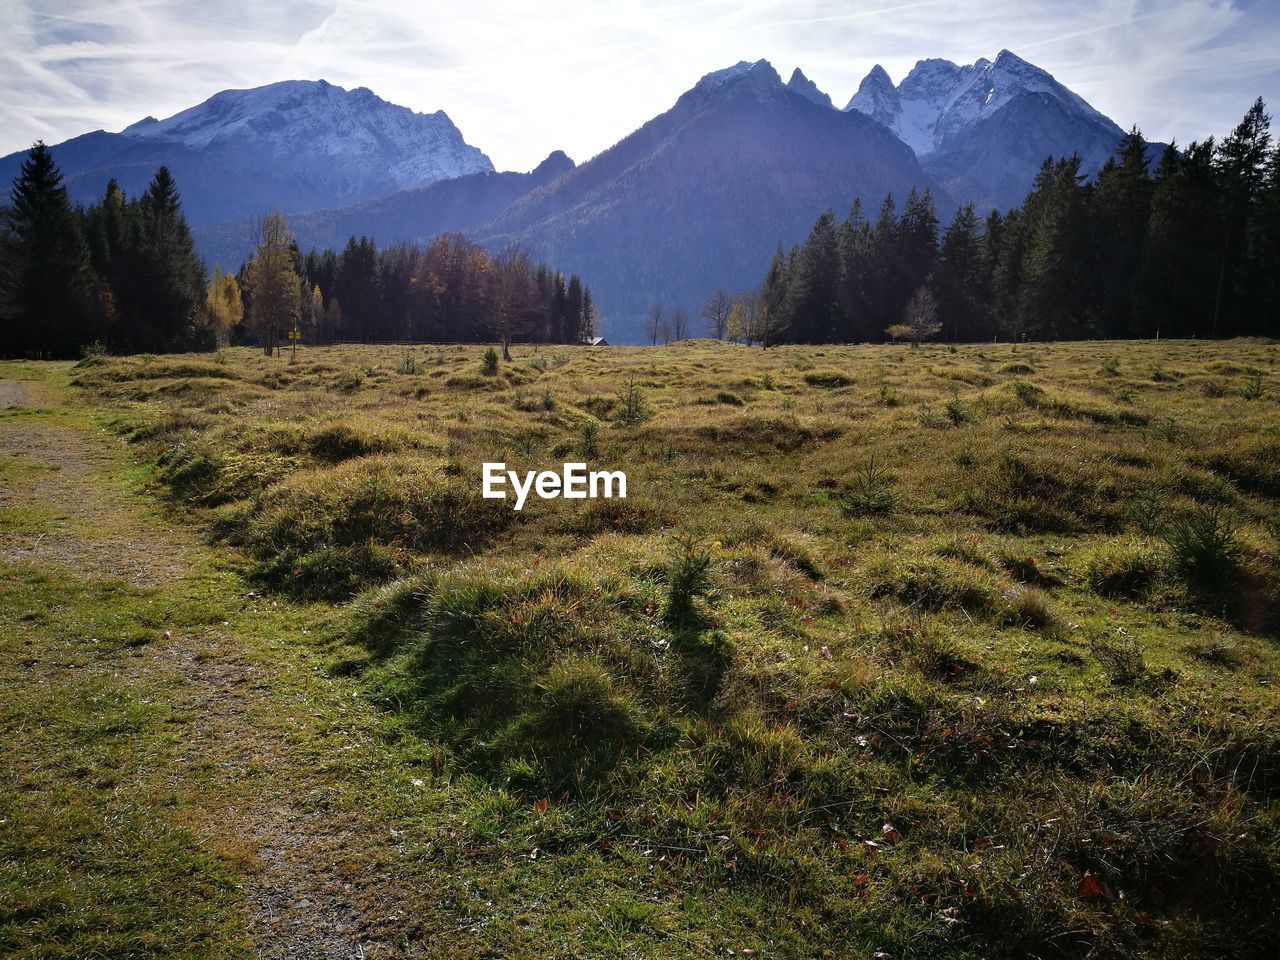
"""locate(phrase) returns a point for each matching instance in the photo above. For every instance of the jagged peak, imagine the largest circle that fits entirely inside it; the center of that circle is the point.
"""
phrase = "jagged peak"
(876, 96)
(806, 88)
(1007, 56)
(760, 74)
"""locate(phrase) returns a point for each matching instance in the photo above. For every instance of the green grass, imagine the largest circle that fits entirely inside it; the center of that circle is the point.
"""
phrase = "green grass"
(92, 860)
(983, 671)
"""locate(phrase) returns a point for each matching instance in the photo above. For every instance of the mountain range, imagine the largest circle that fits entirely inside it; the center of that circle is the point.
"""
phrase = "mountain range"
(698, 197)
(983, 129)
(298, 145)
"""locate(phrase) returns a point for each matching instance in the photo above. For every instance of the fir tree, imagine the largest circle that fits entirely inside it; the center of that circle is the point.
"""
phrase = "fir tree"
(51, 302)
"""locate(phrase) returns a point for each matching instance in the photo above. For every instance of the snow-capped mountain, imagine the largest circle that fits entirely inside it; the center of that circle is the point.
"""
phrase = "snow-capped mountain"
(300, 145)
(984, 128)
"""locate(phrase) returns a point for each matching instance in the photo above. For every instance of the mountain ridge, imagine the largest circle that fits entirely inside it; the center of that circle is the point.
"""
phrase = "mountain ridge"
(954, 115)
(297, 144)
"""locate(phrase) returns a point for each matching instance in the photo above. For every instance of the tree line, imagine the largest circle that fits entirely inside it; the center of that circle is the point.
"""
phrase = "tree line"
(1189, 249)
(123, 275)
(449, 290)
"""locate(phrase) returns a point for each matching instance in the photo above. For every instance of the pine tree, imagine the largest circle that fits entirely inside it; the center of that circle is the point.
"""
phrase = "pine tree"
(577, 321)
(768, 317)
(1122, 215)
(1241, 163)
(51, 301)
(855, 250)
(590, 315)
(358, 285)
(882, 280)
(1058, 277)
(813, 302)
(1182, 265)
(918, 244)
(958, 278)
(168, 276)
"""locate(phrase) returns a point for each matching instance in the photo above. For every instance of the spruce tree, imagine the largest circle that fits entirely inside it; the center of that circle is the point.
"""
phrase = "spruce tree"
(168, 274)
(855, 267)
(813, 291)
(51, 302)
(1241, 163)
(958, 278)
(1182, 261)
(1122, 216)
(1057, 272)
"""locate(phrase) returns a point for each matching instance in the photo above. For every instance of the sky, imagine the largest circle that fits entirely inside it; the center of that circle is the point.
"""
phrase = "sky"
(521, 79)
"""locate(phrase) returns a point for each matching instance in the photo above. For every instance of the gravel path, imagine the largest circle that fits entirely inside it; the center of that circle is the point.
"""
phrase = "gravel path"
(318, 884)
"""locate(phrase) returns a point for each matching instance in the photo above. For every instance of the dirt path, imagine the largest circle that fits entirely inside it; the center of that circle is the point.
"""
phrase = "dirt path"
(318, 884)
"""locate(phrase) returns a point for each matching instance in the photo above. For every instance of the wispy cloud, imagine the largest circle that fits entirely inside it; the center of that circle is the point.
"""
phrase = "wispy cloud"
(523, 79)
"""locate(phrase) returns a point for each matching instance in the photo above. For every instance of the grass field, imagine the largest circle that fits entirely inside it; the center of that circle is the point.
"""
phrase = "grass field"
(943, 652)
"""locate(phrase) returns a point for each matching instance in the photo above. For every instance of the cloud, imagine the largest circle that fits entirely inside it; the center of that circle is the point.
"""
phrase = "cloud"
(523, 79)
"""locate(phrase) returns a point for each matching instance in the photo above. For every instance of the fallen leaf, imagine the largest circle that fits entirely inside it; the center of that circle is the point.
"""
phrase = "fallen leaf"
(1090, 888)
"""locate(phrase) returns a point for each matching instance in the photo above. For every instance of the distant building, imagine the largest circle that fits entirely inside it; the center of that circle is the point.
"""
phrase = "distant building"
(597, 342)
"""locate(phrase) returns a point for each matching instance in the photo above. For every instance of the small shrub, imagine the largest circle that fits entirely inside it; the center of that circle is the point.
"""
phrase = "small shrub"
(958, 413)
(408, 365)
(1018, 367)
(1110, 367)
(489, 364)
(632, 408)
(1203, 547)
(870, 491)
(729, 398)
(1252, 389)
(688, 580)
(350, 380)
(588, 435)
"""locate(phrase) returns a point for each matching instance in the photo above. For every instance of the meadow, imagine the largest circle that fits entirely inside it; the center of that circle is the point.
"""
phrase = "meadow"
(891, 652)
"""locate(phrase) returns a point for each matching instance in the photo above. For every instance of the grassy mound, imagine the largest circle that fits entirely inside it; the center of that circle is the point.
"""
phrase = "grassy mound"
(329, 533)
